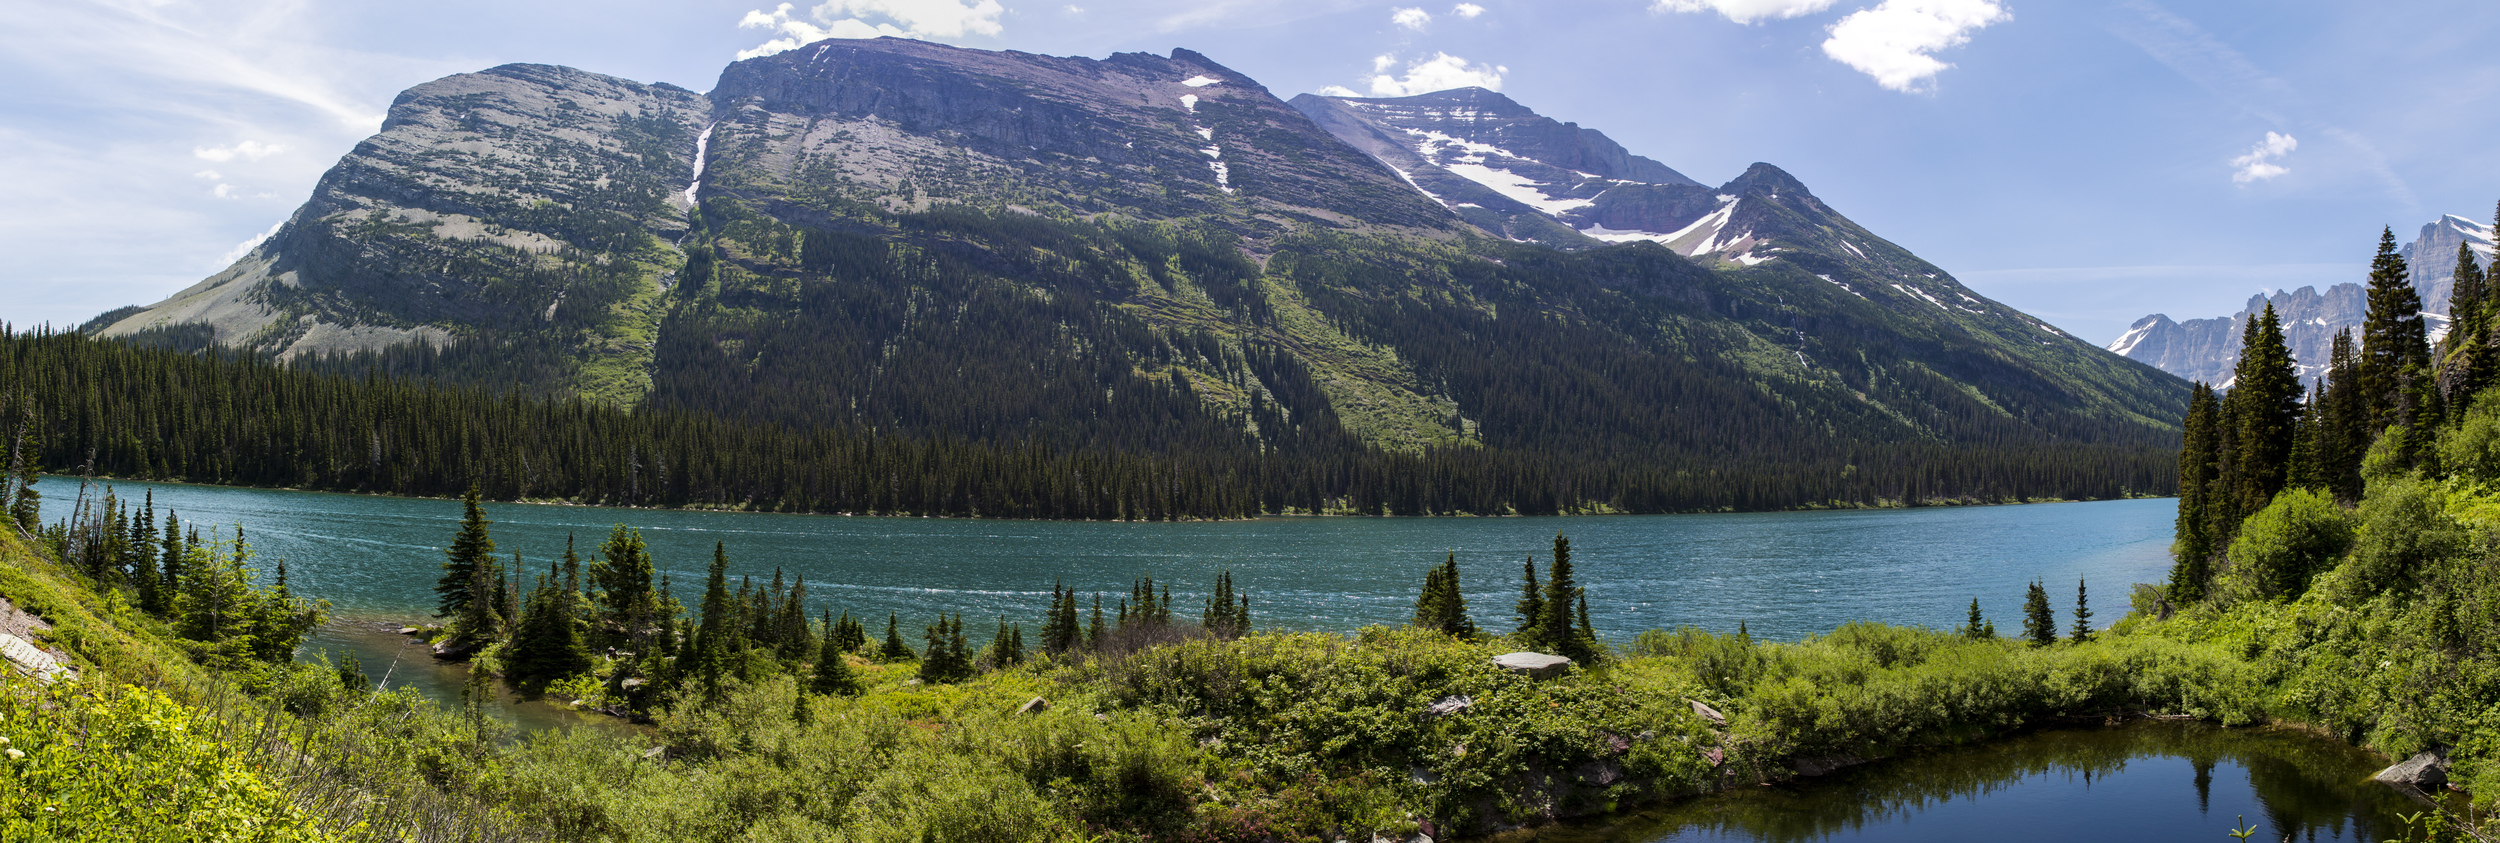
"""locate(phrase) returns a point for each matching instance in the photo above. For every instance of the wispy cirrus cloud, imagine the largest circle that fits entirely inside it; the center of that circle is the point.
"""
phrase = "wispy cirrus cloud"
(2226, 73)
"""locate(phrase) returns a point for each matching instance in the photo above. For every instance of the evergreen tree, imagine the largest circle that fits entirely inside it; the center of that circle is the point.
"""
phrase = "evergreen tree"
(1562, 592)
(24, 502)
(2394, 345)
(1007, 647)
(143, 547)
(849, 635)
(713, 644)
(894, 650)
(1093, 627)
(627, 612)
(2343, 427)
(2465, 351)
(1977, 628)
(1443, 606)
(2265, 409)
(546, 643)
(171, 568)
(2083, 615)
(833, 669)
(481, 619)
(2039, 621)
(1059, 629)
(1530, 609)
(471, 549)
(1227, 615)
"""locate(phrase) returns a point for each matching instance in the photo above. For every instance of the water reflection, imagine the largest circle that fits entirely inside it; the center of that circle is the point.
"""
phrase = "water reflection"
(2151, 781)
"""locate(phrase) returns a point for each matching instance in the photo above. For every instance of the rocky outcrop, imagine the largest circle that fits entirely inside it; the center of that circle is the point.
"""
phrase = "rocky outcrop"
(1135, 134)
(2208, 349)
(524, 195)
(2424, 771)
(1533, 665)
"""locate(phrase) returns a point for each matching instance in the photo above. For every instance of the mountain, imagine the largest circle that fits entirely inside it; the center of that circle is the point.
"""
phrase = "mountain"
(1506, 168)
(2207, 350)
(1149, 254)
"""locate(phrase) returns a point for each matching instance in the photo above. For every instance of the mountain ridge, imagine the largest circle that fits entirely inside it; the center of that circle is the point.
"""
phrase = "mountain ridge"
(1136, 253)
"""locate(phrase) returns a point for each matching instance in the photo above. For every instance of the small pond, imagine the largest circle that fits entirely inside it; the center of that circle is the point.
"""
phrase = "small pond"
(2143, 781)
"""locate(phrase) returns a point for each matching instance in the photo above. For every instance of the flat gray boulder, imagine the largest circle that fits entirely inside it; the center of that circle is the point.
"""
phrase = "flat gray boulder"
(1535, 665)
(2425, 771)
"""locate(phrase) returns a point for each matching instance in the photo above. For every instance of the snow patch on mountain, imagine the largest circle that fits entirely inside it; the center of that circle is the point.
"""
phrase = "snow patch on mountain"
(2128, 341)
(1200, 81)
(1514, 186)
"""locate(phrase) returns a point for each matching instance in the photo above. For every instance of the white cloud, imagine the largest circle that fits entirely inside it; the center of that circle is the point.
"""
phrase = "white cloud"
(1467, 10)
(1339, 91)
(1382, 63)
(1410, 18)
(1744, 11)
(1892, 41)
(923, 19)
(2259, 164)
(224, 191)
(211, 175)
(250, 150)
(1074, 9)
(1441, 72)
(246, 247)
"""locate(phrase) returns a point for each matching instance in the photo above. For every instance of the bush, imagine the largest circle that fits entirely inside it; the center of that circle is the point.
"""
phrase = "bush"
(81, 764)
(2282, 547)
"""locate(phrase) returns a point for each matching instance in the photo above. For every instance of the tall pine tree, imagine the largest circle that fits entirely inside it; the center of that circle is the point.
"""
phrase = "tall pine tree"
(2199, 466)
(471, 548)
(2265, 411)
(2039, 621)
(2394, 345)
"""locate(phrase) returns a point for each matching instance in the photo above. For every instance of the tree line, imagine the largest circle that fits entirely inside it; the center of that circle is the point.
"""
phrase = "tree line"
(112, 409)
(2270, 441)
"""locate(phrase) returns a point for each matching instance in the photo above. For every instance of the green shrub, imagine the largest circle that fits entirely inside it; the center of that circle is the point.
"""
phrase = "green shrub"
(2282, 547)
(130, 764)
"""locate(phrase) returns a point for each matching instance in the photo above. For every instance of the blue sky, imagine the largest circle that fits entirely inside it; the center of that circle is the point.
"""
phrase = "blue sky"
(2089, 162)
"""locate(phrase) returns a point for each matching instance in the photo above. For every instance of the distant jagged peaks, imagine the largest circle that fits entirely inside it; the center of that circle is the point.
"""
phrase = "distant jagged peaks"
(2209, 349)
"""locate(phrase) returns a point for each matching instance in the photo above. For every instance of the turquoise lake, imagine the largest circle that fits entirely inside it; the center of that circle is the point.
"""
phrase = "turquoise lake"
(1781, 575)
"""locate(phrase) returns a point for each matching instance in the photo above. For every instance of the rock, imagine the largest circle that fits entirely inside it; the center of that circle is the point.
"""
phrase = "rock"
(1035, 705)
(1614, 744)
(1826, 764)
(1716, 755)
(32, 660)
(1533, 665)
(407, 630)
(1449, 705)
(1712, 714)
(1599, 773)
(2425, 771)
(657, 753)
(630, 684)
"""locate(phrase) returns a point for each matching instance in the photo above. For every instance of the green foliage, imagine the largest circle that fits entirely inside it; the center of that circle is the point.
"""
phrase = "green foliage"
(1227, 614)
(1977, 628)
(2039, 621)
(2404, 531)
(130, 764)
(1442, 607)
(2282, 547)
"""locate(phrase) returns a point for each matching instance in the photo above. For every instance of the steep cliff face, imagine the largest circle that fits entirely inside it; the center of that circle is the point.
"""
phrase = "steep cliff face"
(525, 196)
(2207, 350)
(902, 124)
(2433, 258)
(1506, 168)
